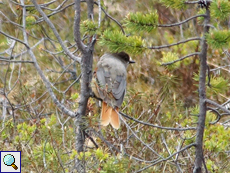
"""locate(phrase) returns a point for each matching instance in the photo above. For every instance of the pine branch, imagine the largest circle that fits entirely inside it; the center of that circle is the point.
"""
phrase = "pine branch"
(149, 22)
(218, 39)
(142, 22)
(177, 4)
(220, 9)
(89, 27)
(117, 42)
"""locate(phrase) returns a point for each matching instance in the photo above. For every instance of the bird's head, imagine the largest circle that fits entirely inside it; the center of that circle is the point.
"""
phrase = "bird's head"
(125, 58)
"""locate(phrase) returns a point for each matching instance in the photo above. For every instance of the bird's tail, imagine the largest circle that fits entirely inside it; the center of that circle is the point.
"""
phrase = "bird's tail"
(105, 114)
(109, 115)
(114, 118)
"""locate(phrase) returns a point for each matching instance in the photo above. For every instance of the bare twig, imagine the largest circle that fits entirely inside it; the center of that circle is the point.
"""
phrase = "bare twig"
(77, 34)
(41, 5)
(174, 44)
(99, 13)
(72, 56)
(172, 62)
(118, 23)
(13, 38)
(91, 139)
(111, 146)
(179, 23)
(167, 158)
(10, 20)
(72, 83)
(46, 82)
(16, 61)
(139, 137)
(195, 2)
(217, 114)
(160, 127)
(55, 12)
(217, 105)
(219, 67)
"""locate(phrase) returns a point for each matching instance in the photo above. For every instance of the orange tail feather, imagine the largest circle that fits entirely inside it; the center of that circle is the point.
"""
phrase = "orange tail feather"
(114, 119)
(105, 114)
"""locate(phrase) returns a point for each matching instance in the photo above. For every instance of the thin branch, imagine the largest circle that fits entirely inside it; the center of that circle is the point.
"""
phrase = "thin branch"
(215, 112)
(56, 152)
(77, 19)
(111, 146)
(72, 84)
(16, 61)
(48, 87)
(151, 149)
(219, 67)
(8, 59)
(55, 32)
(46, 82)
(57, 8)
(55, 12)
(209, 77)
(217, 105)
(174, 44)
(172, 62)
(179, 23)
(10, 20)
(90, 138)
(167, 158)
(168, 150)
(44, 155)
(62, 128)
(99, 13)
(118, 23)
(160, 127)
(41, 5)
(13, 38)
(196, 2)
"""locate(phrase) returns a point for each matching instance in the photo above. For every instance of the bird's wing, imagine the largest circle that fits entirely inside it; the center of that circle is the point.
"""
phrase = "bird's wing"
(119, 86)
(112, 82)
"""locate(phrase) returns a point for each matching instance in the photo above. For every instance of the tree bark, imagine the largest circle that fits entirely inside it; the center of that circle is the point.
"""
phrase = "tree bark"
(202, 97)
(86, 71)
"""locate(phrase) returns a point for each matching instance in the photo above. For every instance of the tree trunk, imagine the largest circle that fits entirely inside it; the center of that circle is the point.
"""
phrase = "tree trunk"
(86, 71)
(202, 97)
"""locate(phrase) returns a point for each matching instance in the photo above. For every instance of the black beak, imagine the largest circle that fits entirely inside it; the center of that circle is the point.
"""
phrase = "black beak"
(131, 62)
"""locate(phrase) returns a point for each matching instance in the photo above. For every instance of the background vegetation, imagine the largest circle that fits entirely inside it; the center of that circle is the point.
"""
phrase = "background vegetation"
(161, 111)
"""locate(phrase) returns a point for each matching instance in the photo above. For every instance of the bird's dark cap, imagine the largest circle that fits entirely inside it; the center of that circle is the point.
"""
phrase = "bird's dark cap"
(125, 57)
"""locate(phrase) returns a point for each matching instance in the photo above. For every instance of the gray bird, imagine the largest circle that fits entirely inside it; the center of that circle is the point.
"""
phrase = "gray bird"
(109, 84)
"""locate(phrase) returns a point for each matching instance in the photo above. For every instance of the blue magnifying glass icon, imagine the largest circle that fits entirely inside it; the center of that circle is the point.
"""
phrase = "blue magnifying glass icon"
(9, 160)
